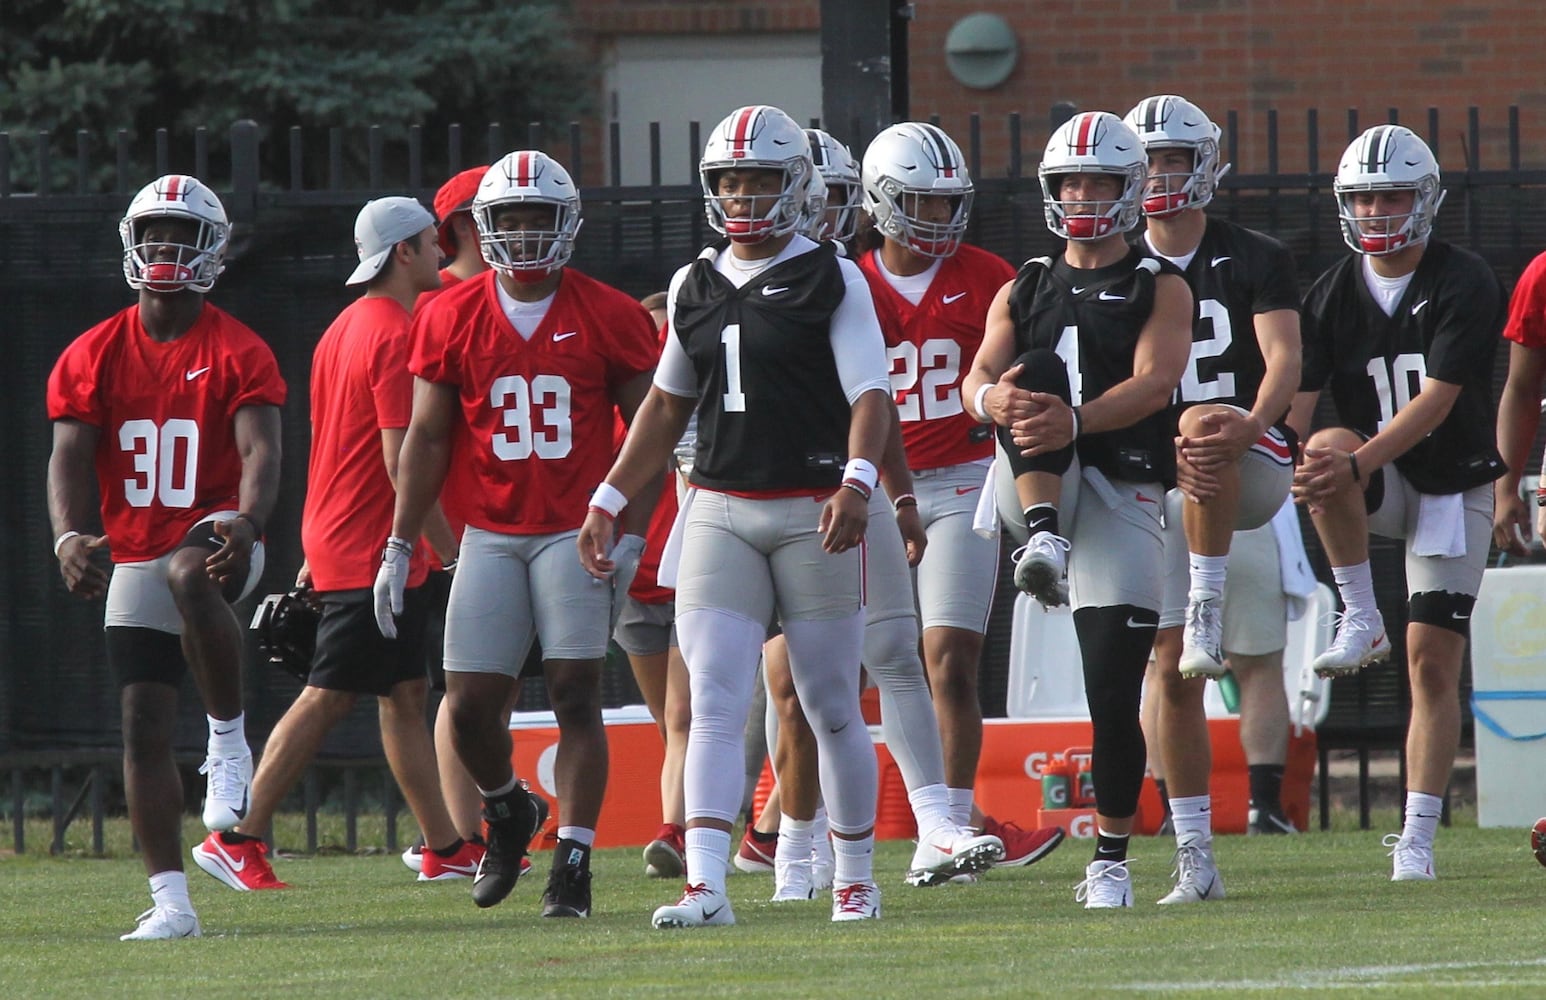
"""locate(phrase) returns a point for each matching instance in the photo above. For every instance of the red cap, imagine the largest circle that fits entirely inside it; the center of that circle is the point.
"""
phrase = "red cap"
(456, 195)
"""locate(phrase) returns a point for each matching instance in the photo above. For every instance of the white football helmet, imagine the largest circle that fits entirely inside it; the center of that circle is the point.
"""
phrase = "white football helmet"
(527, 177)
(1388, 158)
(815, 225)
(762, 137)
(839, 173)
(172, 267)
(1094, 142)
(905, 163)
(1170, 122)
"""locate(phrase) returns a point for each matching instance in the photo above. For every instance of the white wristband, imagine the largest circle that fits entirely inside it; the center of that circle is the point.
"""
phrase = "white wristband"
(977, 403)
(609, 498)
(862, 471)
(59, 542)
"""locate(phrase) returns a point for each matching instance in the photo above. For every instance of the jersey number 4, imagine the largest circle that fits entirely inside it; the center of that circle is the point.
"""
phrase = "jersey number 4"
(166, 461)
(536, 417)
(927, 386)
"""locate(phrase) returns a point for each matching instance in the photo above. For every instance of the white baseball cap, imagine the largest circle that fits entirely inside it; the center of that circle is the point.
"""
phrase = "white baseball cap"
(380, 226)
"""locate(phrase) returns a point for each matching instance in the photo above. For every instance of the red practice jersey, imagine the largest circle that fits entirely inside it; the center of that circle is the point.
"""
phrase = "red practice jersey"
(167, 455)
(931, 345)
(536, 433)
(360, 386)
(447, 282)
(1527, 309)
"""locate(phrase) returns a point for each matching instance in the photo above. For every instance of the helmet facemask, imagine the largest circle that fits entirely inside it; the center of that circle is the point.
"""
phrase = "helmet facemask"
(528, 255)
(783, 212)
(908, 221)
(1104, 218)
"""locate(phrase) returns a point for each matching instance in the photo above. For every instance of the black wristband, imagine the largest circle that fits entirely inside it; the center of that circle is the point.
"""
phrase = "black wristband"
(1353, 461)
(257, 526)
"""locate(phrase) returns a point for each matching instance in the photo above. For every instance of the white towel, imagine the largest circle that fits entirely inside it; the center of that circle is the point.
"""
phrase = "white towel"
(985, 521)
(1440, 525)
(671, 552)
(1298, 581)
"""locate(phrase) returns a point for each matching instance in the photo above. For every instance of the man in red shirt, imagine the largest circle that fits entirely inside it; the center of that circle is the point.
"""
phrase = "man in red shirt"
(1519, 407)
(518, 373)
(361, 398)
(175, 405)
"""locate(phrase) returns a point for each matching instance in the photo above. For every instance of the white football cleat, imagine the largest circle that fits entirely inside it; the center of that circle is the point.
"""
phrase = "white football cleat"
(792, 880)
(859, 901)
(1196, 874)
(1412, 861)
(699, 906)
(823, 862)
(939, 858)
(225, 796)
(1106, 886)
(1039, 568)
(161, 923)
(1202, 641)
(1360, 641)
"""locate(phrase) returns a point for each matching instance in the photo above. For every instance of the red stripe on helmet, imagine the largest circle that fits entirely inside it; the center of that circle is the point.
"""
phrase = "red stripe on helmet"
(523, 170)
(742, 131)
(171, 189)
(1084, 137)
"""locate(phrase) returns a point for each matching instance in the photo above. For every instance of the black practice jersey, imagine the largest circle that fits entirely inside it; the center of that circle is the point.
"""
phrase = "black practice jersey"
(1236, 274)
(1092, 319)
(772, 414)
(1446, 326)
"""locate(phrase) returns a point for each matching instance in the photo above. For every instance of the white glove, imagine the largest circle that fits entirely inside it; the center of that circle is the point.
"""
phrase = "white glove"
(625, 557)
(391, 581)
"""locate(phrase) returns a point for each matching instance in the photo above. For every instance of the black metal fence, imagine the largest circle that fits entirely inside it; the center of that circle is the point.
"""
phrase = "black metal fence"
(292, 248)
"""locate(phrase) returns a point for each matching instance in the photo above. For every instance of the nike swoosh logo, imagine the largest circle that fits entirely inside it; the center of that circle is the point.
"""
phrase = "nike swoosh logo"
(1458, 616)
(837, 729)
(565, 336)
(961, 491)
(1135, 623)
(772, 290)
(947, 299)
(225, 732)
(231, 863)
(1143, 499)
(1108, 297)
(190, 376)
(1219, 260)
(467, 869)
(711, 914)
(947, 852)
(1419, 307)
(1077, 290)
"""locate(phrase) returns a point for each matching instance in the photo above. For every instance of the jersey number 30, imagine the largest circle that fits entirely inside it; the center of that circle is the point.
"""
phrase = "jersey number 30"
(156, 450)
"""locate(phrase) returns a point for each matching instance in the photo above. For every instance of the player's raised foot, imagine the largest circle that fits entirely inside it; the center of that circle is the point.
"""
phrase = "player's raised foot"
(1039, 567)
(461, 863)
(413, 856)
(792, 880)
(1268, 821)
(513, 820)
(1022, 847)
(699, 906)
(1196, 874)
(1202, 640)
(948, 853)
(162, 923)
(1410, 860)
(240, 862)
(1106, 886)
(756, 852)
(1360, 641)
(664, 857)
(859, 901)
(225, 795)
(568, 890)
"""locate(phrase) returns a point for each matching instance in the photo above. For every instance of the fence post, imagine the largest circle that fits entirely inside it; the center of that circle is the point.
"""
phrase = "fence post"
(243, 205)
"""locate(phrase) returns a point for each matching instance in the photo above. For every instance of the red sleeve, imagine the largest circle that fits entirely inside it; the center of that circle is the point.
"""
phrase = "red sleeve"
(1527, 307)
(431, 355)
(391, 383)
(635, 341)
(72, 385)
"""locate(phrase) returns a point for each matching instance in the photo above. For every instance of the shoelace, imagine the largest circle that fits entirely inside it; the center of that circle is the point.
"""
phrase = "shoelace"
(1110, 873)
(854, 898)
(1188, 858)
(1398, 843)
(224, 777)
(1347, 625)
(1204, 620)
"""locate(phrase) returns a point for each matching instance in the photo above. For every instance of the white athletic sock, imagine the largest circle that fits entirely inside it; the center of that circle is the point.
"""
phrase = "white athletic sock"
(931, 808)
(708, 854)
(582, 835)
(170, 889)
(794, 838)
(1192, 814)
(1422, 817)
(855, 860)
(1207, 572)
(227, 737)
(1356, 585)
(504, 789)
(960, 806)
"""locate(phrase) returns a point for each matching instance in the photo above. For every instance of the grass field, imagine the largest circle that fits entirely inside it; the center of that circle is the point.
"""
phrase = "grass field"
(1315, 914)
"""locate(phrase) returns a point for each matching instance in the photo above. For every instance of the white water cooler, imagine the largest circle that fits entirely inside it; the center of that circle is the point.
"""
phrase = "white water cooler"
(1508, 679)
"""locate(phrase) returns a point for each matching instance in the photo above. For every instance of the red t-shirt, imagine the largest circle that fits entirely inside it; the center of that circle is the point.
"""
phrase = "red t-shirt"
(931, 345)
(646, 588)
(1527, 309)
(167, 455)
(447, 281)
(360, 386)
(537, 416)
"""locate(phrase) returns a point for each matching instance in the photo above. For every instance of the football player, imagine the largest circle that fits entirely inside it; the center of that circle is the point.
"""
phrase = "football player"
(361, 398)
(174, 405)
(1404, 331)
(1234, 462)
(774, 341)
(518, 372)
(1077, 365)
(1519, 409)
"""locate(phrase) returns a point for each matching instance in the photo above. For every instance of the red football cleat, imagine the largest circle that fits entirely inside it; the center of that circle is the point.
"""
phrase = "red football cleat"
(463, 863)
(1022, 847)
(242, 865)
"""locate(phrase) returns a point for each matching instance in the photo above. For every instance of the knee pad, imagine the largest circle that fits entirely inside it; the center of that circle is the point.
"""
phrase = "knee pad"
(1443, 609)
(1043, 371)
(140, 655)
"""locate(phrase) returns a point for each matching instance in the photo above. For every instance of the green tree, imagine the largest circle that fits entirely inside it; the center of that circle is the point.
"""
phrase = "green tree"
(101, 66)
